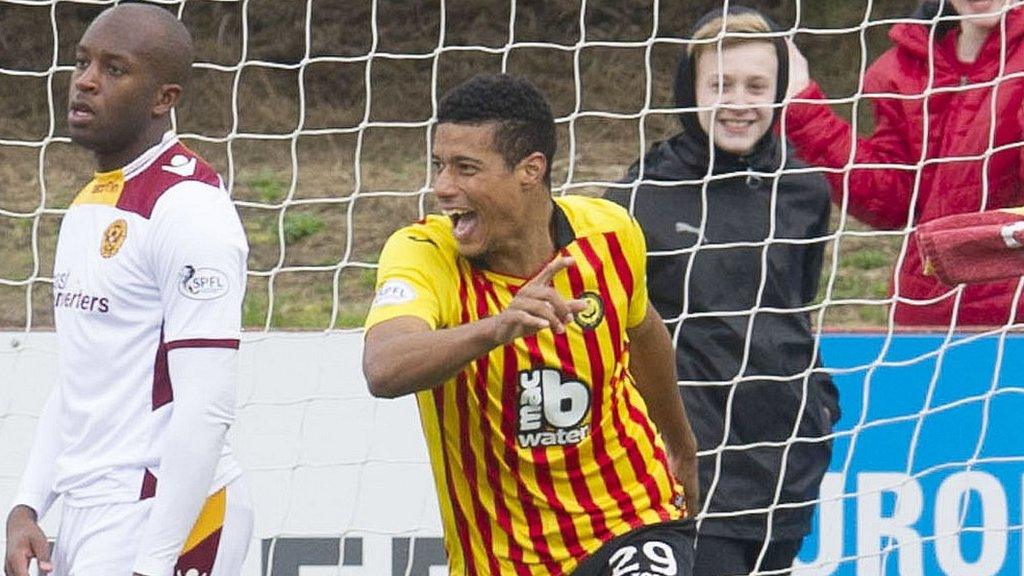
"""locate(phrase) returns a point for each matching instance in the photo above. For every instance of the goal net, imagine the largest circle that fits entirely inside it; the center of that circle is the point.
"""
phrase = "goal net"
(318, 115)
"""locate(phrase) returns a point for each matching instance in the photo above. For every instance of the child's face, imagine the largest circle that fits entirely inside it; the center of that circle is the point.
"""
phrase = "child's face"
(739, 113)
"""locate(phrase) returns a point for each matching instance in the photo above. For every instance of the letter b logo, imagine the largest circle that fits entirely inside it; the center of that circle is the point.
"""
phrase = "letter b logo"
(564, 402)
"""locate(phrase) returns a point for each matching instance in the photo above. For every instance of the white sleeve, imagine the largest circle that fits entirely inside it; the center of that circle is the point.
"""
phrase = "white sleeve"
(198, 253)
(204, 408)
(198, 256)
(36, 488)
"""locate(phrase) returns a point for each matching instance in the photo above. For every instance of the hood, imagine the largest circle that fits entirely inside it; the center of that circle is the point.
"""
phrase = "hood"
(669, 160)
(916, 37)
(765, 153)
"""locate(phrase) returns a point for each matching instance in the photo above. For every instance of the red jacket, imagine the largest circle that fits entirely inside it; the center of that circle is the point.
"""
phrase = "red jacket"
(955, 169)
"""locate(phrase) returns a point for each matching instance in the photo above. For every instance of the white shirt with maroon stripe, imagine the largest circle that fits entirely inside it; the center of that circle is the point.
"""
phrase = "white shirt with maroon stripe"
(150, 258)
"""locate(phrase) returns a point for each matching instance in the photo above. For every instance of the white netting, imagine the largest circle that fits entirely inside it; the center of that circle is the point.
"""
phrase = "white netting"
(317, 113)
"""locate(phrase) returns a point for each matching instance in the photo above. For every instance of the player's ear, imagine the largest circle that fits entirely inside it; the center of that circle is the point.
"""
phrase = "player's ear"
(166, 98)
(532, 168)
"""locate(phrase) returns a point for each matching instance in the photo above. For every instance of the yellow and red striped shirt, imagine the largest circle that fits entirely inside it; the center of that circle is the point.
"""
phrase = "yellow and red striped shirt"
(541, 450)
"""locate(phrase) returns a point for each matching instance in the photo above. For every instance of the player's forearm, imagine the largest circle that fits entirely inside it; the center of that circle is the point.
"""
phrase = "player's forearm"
(652, 364)
(397, 361)
(36, 488)
(203, 410)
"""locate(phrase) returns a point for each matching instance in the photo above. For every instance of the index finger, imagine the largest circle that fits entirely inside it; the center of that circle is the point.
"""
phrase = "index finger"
(41, 550)
(554, 267)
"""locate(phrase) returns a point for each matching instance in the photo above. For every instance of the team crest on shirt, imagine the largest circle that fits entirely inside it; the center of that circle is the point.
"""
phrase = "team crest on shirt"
(113, 237)
(592, 315)
(202, 283)
(553, 409)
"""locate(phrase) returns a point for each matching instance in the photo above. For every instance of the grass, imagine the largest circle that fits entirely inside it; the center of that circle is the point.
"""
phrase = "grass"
(299, 226)
(317, 207)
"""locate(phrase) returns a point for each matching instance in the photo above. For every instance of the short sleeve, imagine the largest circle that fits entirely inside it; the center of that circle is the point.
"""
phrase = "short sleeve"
(412, 279)
(635, 250)
(198, 254)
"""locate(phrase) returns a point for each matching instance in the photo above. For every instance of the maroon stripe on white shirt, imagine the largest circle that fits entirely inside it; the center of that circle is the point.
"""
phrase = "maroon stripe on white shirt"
(148, 486)
(203, 343)
(142, 191)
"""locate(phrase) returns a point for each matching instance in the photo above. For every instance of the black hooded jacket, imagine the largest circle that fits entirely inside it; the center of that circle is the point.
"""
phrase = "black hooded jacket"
(707, 262)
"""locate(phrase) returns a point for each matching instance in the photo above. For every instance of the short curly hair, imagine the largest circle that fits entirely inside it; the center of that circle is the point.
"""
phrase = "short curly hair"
(524, 119)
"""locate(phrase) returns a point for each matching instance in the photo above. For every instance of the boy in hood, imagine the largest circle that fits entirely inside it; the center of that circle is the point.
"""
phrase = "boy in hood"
(735, 232)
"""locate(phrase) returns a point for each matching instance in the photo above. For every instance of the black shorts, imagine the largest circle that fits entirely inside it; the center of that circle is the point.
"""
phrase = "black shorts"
(664, 549)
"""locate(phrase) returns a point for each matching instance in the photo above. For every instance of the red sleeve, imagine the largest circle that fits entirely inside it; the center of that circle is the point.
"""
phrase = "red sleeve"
(1020, 159)
(879, 197)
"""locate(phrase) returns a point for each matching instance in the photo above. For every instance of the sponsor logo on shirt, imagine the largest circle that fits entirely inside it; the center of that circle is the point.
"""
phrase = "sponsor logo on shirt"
(76, 299)
(104, 188)
(553, 409)
(394, 292)
(113, 237)
(81, 301)
(592, 315)
(202, 283)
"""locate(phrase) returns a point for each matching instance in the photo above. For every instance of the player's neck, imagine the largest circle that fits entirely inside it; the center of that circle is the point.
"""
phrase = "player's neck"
(107, 160)
(533, 248)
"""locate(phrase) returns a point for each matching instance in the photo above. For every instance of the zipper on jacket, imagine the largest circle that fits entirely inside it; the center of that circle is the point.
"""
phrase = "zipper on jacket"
(753, 180)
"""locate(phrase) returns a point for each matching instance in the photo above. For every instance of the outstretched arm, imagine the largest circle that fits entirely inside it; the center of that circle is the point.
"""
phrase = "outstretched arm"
(652, 364)
(879, 196)
(403, 355)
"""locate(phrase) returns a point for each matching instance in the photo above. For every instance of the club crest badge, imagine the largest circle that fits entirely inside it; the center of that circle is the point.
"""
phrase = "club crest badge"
(113, 238)
(593, 314)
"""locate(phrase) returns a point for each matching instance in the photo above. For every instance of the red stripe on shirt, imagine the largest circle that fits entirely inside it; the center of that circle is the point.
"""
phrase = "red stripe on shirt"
(621, 263)
(461, 525)
(604, 461)
(636, 458)
(577, 482)
(148, 486)
(535, 526)
(460, 517)
(626, 277)
(469, 459)
(162, 393)
(509, 413)
(545, 482)
(611, 313)
(650, 483)
(571, 453)
(204, 343)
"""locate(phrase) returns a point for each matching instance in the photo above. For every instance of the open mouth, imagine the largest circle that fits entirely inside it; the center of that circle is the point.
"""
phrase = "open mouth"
(983, 6)
(80, 112)
(735, 125)
(463, 222)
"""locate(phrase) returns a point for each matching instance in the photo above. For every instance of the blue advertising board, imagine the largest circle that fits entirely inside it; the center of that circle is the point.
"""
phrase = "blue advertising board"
(927, 469)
